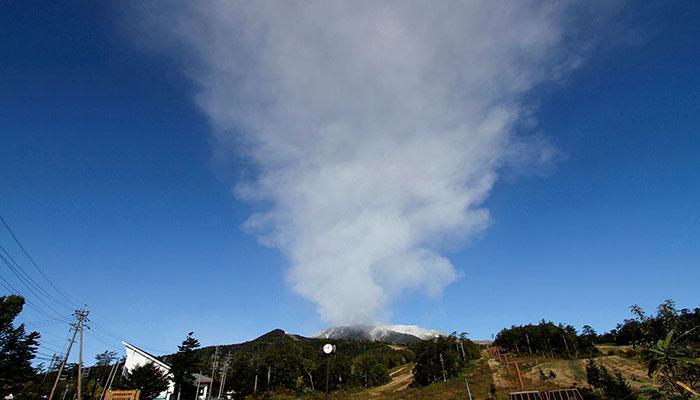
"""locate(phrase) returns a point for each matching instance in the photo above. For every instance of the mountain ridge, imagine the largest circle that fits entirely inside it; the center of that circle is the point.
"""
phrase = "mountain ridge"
(394, 334)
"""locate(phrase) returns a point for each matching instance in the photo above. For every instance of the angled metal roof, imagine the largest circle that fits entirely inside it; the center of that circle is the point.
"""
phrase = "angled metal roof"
(146, 354)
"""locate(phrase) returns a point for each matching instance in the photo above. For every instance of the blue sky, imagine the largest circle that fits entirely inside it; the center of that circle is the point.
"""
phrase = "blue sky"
(112, 180)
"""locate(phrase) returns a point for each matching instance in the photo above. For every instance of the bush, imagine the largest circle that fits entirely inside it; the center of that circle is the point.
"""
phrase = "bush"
(614, 386)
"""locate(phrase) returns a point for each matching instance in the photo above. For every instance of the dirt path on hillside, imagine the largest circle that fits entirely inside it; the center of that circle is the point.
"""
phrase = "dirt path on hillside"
(400, 379)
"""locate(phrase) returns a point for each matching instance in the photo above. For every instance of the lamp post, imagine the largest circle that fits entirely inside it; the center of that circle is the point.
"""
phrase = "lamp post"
(328, 349)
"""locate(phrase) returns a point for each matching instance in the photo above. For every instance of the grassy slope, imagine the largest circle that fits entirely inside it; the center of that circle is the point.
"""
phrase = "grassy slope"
(572, 373)
(478, 373)
(484, 372)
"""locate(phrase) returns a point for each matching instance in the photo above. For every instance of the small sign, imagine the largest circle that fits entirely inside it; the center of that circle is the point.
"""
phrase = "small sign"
(123, 395)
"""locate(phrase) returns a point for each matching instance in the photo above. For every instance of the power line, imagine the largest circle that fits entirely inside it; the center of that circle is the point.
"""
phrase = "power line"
(104, 340)
(101, 334)
(45, 325)
(44, 346)
(31, 260)
(47, 321)
(27, 285)
(63, 338)
(11, 289)
(31, 280)
(118, 338)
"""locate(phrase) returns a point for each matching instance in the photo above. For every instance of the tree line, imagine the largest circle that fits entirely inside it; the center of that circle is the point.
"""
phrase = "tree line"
(548, 339)
(442, 358)
(668, 341)
(281, 362)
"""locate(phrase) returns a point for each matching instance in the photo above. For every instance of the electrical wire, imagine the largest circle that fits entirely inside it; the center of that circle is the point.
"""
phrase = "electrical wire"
(28, 280)
(100, 333)
(31, 260)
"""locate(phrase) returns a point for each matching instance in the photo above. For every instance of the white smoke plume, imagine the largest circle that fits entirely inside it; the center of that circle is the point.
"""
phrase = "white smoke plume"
(375, 130)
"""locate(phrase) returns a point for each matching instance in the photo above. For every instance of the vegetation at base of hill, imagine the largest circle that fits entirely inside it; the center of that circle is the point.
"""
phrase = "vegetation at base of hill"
(547, 338)
(278, 361)
(613, 386)
(442, 358)
(643, 328)
(668, 342)
(671, 347)
(147, 378)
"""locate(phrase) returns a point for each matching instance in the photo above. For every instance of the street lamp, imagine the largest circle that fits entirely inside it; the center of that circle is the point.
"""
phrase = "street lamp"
(328, 349)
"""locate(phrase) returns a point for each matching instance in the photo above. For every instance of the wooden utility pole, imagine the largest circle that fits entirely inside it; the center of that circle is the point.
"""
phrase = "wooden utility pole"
(224, 370)
(81, 326)
(53, 360)
(442, 363)
(566, 345)
(527, 338)
(469, 391)
(214, 365)
(80, 316)
(109, 378)
(196, 392)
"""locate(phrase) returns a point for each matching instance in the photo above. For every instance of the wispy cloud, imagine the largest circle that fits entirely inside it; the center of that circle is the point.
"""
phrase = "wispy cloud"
(376, 129)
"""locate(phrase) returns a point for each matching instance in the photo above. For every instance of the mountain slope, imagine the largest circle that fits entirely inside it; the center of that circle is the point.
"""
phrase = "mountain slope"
(395, 334)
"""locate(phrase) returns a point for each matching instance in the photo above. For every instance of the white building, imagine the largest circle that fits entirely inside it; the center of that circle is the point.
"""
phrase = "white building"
(136, 357)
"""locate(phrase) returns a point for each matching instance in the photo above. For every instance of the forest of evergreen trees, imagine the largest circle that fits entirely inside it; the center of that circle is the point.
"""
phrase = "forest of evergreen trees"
(548, 339)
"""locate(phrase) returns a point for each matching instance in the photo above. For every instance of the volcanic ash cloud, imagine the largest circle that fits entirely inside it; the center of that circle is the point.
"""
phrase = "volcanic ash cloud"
(375, 130)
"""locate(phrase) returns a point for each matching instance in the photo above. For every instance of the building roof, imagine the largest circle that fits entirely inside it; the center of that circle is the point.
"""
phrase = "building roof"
(146, 354)
(199, 378)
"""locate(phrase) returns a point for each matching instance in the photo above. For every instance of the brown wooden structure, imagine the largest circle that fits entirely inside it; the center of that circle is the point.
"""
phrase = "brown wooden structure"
(555, 394)
(562, 394)
(526, 395)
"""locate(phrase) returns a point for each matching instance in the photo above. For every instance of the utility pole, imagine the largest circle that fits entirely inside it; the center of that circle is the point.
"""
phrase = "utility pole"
(527, 338)
(53, 360)
(81, 325)
(79, 315)
(566, 345)
(214, 365)
(469, 391)
(110, 379)
(116, 371)
(224, 369)
(196, 392)
(269, 375)
(442, 363)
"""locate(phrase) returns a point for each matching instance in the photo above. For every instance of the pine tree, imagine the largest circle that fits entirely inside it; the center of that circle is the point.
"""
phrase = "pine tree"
(184, 363)
(17, 348)
(147, 378)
